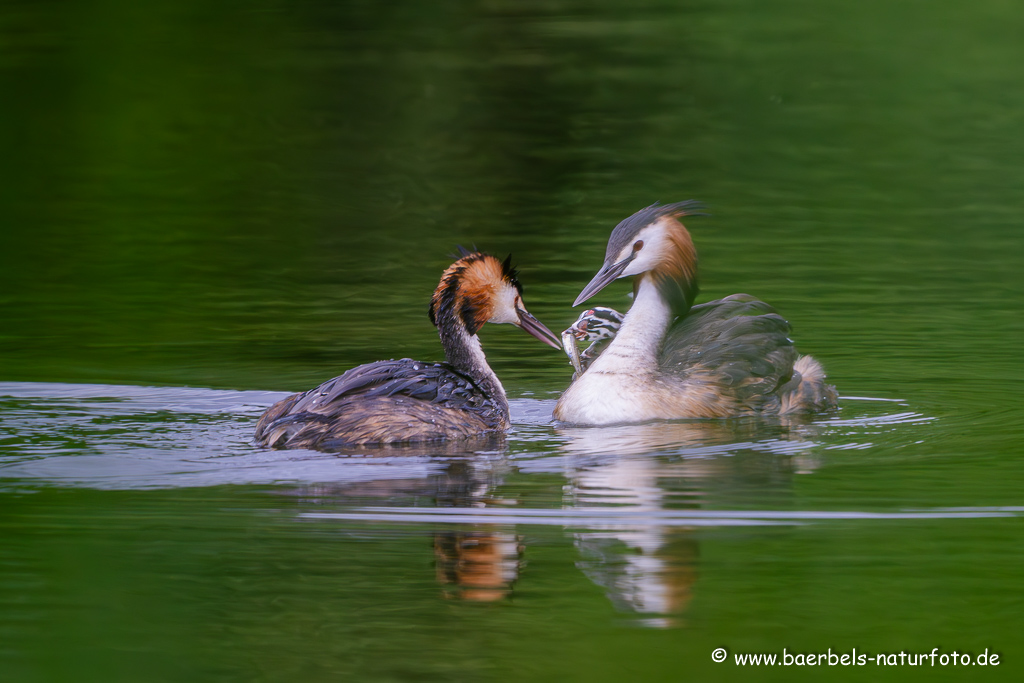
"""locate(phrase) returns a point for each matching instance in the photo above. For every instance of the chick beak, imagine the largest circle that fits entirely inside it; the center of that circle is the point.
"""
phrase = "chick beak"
(537, 329)
(604, 277)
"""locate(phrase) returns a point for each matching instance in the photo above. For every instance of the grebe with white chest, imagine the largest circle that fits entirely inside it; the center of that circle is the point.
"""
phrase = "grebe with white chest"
(670, 359)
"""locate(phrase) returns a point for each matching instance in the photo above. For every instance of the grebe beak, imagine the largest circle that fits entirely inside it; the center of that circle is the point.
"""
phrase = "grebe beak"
(604, 277)
(537, 329)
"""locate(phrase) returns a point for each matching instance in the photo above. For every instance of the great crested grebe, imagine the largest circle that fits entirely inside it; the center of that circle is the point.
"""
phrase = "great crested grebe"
(408, 401)
(594, 327)
(670, 359)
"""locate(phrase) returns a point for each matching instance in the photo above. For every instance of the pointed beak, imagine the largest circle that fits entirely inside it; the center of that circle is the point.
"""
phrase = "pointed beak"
(604, 277)
(537, 329)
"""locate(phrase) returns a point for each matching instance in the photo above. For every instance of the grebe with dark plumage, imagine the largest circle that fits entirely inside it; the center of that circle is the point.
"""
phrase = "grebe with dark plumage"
(670, 359)
(408, 401)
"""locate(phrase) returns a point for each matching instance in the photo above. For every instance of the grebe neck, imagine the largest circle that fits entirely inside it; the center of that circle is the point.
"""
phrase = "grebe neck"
(637, 345)
(463, 352)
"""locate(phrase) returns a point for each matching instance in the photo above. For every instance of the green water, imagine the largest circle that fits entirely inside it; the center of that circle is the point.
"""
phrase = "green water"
(250, 198)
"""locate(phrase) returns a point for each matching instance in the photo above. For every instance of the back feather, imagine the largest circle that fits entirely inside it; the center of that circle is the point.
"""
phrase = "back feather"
(740, 342)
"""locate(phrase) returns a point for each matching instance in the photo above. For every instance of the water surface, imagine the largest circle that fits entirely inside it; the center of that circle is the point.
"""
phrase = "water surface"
(202, 208)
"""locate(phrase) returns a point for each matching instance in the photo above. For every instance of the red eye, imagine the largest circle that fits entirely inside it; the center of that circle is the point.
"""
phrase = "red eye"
(638, 245)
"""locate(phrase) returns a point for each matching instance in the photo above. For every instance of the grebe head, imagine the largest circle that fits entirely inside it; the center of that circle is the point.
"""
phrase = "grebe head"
(478, 289)
(596, 324)
(651, 240)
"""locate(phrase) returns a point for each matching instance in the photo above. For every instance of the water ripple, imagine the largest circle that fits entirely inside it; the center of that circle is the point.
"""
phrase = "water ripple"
(628, 517)
(126, 437)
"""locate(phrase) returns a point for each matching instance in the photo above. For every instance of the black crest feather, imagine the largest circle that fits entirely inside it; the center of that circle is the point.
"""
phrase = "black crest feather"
(511, 274)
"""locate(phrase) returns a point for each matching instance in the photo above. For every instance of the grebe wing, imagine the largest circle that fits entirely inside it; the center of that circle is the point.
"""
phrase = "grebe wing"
(738, 343)
(383, 402)
(375, 421)
(429, 382)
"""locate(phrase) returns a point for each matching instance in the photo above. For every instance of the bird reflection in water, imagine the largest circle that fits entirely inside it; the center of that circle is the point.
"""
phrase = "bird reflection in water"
(480, 563)
(647, 566)
(649, 572)
(650, 569)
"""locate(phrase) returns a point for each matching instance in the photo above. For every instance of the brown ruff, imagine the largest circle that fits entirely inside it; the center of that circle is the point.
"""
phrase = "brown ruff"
(469, 285)
(479, 286)
(679, 263)
(675, 275)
